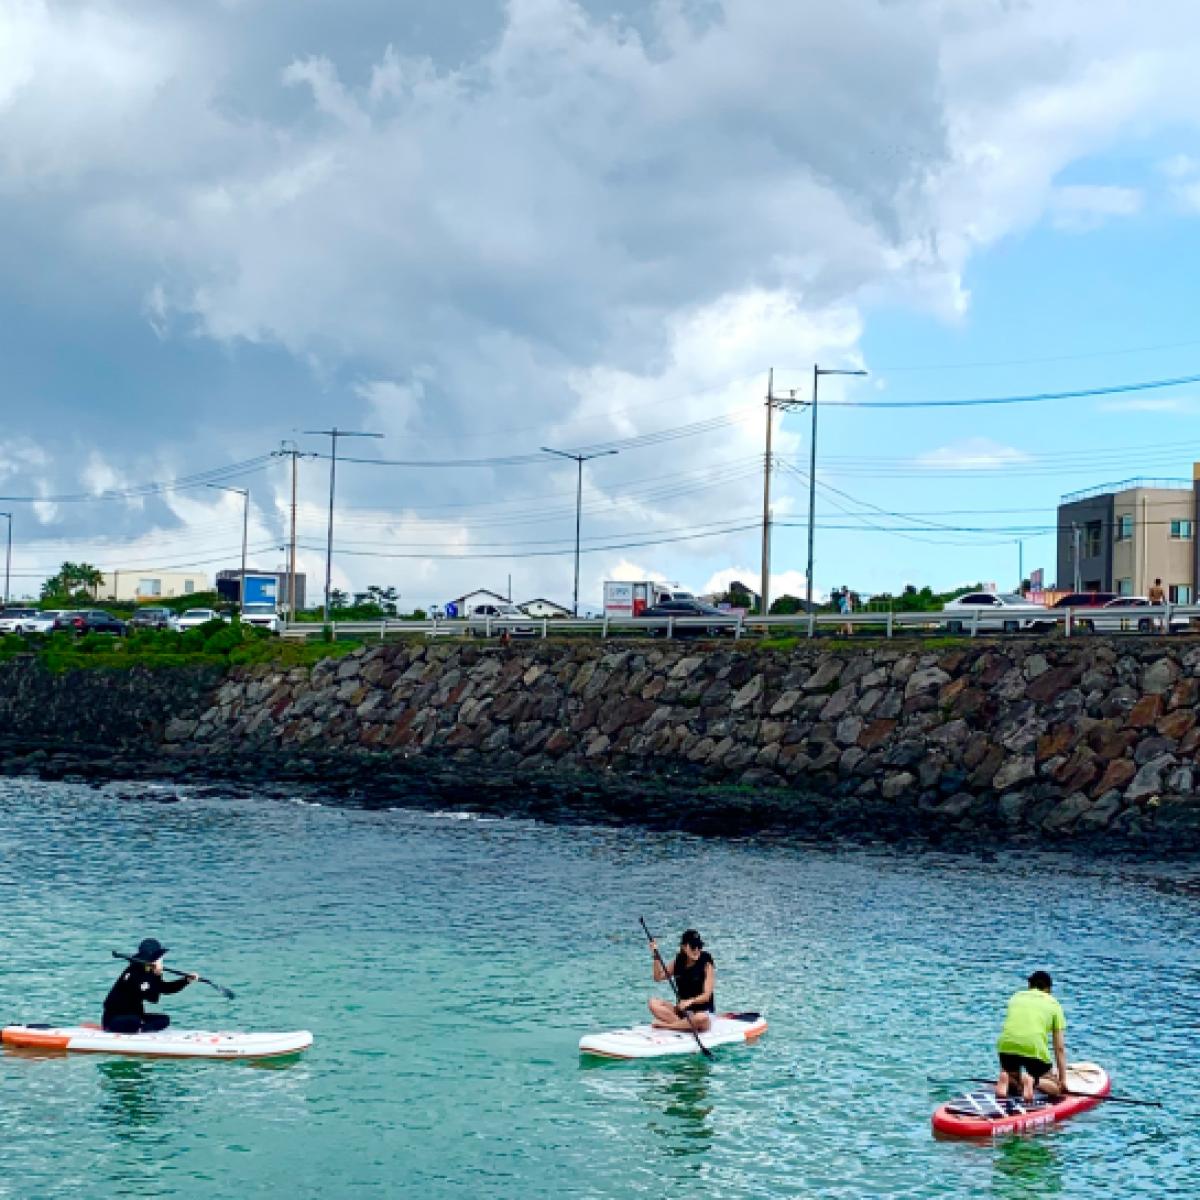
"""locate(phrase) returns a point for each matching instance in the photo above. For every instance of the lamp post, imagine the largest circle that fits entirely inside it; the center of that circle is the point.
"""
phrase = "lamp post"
(579, 460)
(333, 435)
(812, 477)
(245, 495)
(7, 557)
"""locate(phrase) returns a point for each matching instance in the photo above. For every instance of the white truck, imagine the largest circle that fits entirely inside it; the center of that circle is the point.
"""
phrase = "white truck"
(622, 599)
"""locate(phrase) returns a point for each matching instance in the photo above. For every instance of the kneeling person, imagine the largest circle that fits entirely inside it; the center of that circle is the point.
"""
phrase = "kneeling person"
(695, 976)
(1032, 1016)
(141, 983)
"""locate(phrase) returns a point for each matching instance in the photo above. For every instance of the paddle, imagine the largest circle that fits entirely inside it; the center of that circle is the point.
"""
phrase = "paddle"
(671, 980)
(1110, 1099)
(171, 971)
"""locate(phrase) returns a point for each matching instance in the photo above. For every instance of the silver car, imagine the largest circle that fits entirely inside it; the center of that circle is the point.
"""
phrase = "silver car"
(1005, 611)
(1122, 616)
(12, 620)
(44, 621)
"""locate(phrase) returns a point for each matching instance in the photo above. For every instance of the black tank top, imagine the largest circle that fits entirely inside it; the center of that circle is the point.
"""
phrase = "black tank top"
(689, 979)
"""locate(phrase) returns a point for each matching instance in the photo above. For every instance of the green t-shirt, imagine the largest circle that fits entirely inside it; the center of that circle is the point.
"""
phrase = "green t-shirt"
(1032, 1016)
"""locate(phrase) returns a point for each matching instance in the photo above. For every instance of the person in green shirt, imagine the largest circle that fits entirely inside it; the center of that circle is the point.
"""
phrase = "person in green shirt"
(1033, 1015)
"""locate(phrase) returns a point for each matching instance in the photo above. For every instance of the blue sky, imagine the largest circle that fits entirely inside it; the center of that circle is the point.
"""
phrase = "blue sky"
(487, 228)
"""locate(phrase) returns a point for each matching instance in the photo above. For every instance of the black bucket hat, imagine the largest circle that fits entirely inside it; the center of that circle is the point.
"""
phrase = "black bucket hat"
(150, 951)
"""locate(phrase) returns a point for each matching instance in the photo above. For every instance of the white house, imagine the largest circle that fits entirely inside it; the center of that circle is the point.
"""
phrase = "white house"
(145, 586)
(463, 606)
(544, 608)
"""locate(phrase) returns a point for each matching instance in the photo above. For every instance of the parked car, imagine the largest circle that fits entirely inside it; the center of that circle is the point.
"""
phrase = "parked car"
(44, 621)
(691, 611)
(90, 620)
(997, 610)
(1087, 600)
(501, 618)
(262, 616)
(1121, 615)
(193, 618)
(152, 618)
(12, 619)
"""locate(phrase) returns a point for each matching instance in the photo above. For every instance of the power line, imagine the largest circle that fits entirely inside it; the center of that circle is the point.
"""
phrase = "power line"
(248, 466)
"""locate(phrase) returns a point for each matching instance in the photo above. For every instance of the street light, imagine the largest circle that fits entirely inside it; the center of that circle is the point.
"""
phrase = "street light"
(245, 495)
(7, 557)
(579, 460)
(812, 478)
(333, 435)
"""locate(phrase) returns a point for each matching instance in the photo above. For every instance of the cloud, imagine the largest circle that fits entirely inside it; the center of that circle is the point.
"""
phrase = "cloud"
(1081, 208)
(1150, 404)
(971, 454)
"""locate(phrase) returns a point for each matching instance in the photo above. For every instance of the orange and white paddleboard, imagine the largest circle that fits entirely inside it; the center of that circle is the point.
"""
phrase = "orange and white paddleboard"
(644, 1041)
(171, 1043)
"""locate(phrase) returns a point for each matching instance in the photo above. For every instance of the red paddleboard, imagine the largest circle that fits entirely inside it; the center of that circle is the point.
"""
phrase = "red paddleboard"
(979, 1114)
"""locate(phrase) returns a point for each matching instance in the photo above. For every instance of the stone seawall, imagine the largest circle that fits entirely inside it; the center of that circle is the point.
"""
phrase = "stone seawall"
(1054, 741)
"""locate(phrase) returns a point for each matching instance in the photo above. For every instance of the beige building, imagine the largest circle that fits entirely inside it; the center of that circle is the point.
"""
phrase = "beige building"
(1154, 538)
(147, 586)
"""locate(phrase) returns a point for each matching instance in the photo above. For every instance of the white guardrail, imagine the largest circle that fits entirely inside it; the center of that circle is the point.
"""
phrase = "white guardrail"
(1069, 621)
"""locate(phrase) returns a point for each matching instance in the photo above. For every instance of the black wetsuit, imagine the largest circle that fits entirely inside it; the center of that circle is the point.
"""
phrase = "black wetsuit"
(689, 979)
(123, 1011)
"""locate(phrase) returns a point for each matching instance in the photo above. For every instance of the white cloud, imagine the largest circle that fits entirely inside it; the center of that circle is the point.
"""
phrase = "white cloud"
(971, 454)
(1179, 166)
(1080, 208)
(1150, 404)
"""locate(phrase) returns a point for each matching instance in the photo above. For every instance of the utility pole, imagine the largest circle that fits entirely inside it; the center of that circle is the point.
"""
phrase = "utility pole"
(245, 495)
(1076, 574)
(7, 557)
(1020, 564)
(787, 403)
(579, 460)
(818, 371)
(292, 451)
(333, 435)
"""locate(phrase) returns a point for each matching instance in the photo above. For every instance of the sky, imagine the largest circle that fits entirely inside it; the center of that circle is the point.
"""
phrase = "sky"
(484, 228)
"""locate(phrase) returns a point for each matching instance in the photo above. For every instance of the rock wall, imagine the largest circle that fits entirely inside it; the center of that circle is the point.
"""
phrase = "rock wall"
(1065, 739)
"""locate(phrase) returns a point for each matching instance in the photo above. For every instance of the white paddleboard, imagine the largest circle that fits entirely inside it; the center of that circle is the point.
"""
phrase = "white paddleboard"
(644, 1041)
(171, 1043)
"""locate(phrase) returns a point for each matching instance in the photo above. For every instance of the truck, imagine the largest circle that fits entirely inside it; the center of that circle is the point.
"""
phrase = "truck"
(260, 602)
(631, 599)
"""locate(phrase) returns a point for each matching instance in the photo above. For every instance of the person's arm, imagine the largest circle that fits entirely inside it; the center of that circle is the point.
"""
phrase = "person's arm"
(1060, 1056)
(710, 983)
(169, 989)
(661, 970)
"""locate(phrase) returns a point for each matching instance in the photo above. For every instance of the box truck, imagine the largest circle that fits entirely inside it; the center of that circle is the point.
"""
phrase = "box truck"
(622, 599)
(260, 601)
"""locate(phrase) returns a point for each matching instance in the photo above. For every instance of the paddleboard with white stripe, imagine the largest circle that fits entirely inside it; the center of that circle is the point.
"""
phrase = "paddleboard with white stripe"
(171, 1043)
(644, 1041)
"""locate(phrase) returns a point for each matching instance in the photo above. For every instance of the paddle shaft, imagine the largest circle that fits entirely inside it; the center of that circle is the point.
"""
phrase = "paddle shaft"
(172, 971)
(671, 980)
(1108, 1099)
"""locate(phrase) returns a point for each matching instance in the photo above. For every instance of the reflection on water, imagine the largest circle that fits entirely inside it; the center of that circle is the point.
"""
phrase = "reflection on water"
(679, 1106)
(130, 1096)
(1028, 1165)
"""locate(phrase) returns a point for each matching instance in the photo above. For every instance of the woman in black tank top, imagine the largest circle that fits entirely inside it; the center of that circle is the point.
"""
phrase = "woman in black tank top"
(695, 976)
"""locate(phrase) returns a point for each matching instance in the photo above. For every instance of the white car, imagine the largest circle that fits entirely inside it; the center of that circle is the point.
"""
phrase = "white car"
(263, 616)
(996, 610)
(502, 618)
(43, 622)
(193, 618)
(12, 620)
(1121, 616)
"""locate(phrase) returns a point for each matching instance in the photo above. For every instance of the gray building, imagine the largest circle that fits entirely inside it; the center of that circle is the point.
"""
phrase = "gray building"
(229, 585)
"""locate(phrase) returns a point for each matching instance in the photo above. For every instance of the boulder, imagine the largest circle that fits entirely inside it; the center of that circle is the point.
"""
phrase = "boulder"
(1062, 816)
(1149, 779)
(896, 784)
(1019, 769)
(1159, 677)
(1145, 711)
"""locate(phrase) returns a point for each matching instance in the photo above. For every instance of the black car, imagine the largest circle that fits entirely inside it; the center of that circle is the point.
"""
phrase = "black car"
(151, 618)
(691, 610)
(91, 620)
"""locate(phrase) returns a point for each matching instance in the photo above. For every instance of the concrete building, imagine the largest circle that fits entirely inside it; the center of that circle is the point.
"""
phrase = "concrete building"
(1121, 537)
(229, 584)
(147, 586)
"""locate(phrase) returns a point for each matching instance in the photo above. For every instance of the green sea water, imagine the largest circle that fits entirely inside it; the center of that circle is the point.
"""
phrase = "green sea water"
(448, 967)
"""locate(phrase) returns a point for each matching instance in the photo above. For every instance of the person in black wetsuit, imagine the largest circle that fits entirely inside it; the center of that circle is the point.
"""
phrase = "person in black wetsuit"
(695, 976)
(140, 983)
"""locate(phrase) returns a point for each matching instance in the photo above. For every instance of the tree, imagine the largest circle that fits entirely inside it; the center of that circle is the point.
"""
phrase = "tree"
(787, 606)
(78, 581)
(338, 600)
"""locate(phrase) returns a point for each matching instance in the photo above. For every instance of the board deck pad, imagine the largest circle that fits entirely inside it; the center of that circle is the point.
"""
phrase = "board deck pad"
(979, 1113)
(644, 1041)
(170, 1043)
